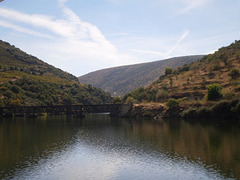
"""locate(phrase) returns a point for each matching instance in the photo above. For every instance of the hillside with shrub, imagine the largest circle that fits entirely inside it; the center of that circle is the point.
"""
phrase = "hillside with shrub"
(121, 80)
(26, 80)
(213, 82)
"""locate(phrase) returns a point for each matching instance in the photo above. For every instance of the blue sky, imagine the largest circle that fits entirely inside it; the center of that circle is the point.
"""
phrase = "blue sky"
(80, 36)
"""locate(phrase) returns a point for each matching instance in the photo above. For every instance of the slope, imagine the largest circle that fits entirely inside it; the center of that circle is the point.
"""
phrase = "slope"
(26, 80)
(120, 80)
(191, 81)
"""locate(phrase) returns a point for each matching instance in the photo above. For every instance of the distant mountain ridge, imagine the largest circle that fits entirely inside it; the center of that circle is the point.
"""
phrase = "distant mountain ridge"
(27, 80)
(118, 81)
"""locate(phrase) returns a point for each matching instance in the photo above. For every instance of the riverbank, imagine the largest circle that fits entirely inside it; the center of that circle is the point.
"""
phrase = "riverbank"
(223, 110)
(148, 110)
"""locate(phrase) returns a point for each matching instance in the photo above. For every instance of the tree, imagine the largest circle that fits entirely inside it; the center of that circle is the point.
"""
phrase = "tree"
(173, 104)
(234, 73)
(224, 58)
(168, 71)
(117, 100)
(214, 92)
(130, 100)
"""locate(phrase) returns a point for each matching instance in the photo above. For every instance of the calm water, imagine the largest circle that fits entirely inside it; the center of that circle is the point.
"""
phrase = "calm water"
(97, 147)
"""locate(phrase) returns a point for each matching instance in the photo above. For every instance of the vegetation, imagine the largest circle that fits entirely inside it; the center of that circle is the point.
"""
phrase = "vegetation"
(234, 73)
(119, 81)
(130, 100)
(117, 100)
(141, 94)
(173, 105)
(221, 110)
(203, 88)
(168, 71)
(214, 92)
(26, 80)
(214, 76)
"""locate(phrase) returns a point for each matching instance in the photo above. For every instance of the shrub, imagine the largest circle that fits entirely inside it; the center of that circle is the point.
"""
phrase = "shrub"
(235, 83)
(195, 88)
(234, 73)
(173, 104)
(228, 96)
(164, 86)
(214, 92)
(162, 94)
(162, 77)
(9, 94)
(168, 71)
(15, 89)
(216, 67)
(224, 58)
(117, 100)
(130, 100)
(194, 67)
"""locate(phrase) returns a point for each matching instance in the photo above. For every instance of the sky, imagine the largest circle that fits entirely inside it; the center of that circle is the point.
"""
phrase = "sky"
(81, 36)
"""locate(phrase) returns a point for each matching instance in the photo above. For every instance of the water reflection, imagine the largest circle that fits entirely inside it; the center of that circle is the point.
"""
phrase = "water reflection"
(97, 147)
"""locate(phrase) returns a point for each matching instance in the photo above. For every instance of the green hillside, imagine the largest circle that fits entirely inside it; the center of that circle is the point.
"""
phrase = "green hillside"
(120, 80)
(192, 80)
(207, 89)
(26, 80)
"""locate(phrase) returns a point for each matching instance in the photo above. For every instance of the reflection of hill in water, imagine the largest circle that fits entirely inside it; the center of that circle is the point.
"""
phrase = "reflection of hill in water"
(32, 142)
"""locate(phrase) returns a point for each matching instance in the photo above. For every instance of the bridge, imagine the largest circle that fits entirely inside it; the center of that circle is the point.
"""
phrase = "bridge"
(120, 110)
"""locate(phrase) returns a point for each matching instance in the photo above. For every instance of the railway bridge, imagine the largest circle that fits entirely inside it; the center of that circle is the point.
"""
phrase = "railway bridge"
(120, 110)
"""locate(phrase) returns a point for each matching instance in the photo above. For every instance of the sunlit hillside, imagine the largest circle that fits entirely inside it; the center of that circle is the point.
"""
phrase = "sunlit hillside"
(120, 80)
(26, 80)
(191, 80)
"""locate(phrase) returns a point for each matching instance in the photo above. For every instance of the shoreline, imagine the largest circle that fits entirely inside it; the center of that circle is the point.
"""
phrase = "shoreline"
(224, 110)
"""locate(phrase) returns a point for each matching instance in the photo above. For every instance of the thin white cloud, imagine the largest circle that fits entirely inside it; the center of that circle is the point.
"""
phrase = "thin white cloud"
(164, 53)
(192, 4)
(59, 27)
(22, 29)
(72, 27)
(73, 40)
(184, 35)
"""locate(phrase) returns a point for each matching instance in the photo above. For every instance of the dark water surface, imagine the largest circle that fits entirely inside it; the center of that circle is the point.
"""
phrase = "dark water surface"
(97, 147)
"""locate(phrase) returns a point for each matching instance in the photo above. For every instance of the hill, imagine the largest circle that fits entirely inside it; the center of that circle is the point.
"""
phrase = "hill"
(208, 89)
(120, 80)
(191, 81)
(26, 80)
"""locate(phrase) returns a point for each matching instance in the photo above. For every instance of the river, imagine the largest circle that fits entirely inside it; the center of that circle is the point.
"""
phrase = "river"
(100, 147)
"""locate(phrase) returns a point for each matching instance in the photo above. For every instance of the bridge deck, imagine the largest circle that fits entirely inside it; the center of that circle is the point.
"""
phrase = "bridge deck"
(113, 109)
